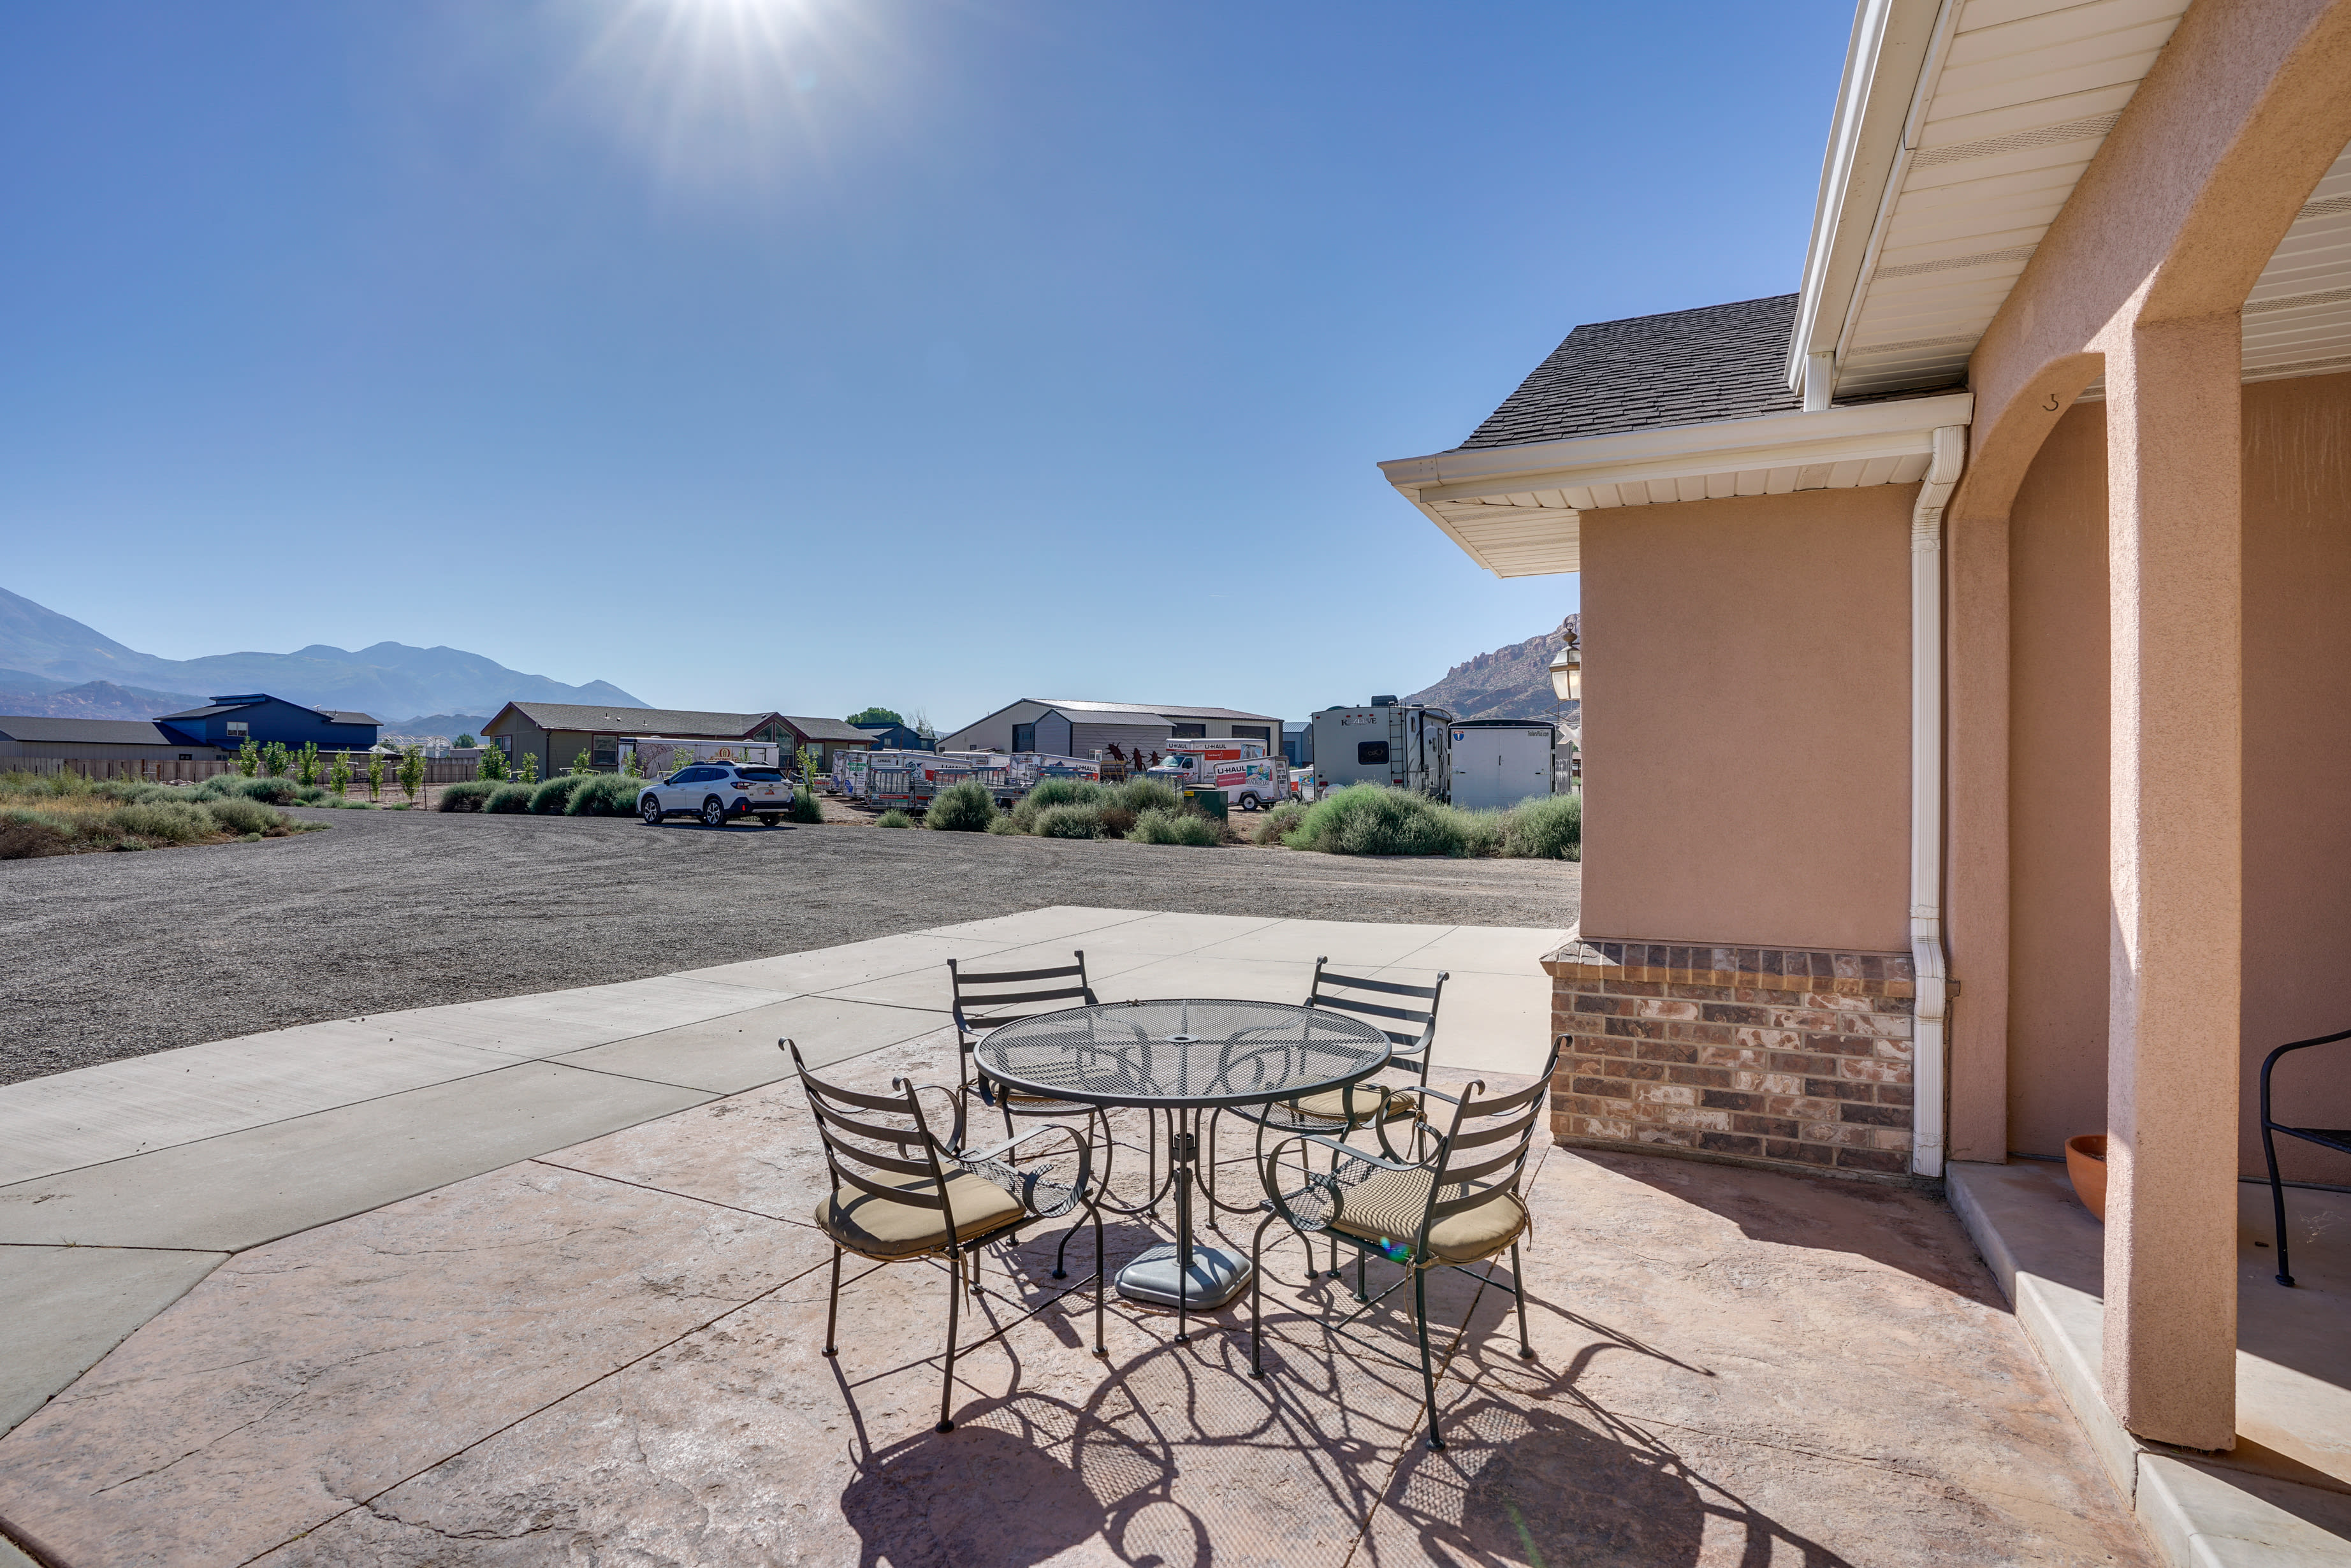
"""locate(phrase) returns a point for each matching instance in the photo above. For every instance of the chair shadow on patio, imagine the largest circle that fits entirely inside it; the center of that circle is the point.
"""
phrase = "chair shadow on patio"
(1180, 1458)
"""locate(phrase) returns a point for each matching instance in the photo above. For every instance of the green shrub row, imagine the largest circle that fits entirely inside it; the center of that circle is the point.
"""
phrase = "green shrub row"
(67, 814)
(1375, 820)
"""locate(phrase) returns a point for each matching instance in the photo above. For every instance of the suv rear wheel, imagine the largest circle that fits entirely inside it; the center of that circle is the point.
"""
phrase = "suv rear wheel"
(714, 812)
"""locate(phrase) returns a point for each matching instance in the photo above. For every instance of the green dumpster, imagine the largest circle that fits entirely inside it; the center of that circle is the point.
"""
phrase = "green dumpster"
(1210, 799)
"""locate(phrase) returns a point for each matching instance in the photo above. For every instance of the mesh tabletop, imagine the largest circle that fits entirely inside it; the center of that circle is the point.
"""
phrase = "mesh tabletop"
(1198, 1052)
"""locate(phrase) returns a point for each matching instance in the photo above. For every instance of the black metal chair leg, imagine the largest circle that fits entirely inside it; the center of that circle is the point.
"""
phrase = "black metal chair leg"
(1363, 1291)
(1519, 1289)
(832, 1305)
(946, 1384)
(1062, 1253)
(2277, 1200)
(1101, 1283)
(1428, 1371)
(1256, 1280)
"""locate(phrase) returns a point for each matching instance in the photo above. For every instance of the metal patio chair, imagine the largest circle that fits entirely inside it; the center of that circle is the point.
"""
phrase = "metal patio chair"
(901, 1192)
(2338, 1138)
(1457, 1206)
(1411, 1031)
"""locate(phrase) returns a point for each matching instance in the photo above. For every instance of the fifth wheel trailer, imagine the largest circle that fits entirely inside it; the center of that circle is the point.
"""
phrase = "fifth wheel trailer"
(1386, 742)
(1499, 762)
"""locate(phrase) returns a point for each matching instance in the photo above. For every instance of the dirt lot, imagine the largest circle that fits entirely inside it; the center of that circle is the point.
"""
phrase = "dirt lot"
(118, 954)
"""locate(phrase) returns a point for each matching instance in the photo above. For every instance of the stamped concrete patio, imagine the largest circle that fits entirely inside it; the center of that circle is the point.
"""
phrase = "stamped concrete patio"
(598, 1344)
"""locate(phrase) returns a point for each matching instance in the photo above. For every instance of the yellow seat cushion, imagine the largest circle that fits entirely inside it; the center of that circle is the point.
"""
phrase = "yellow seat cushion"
(1331, 1105)
(1387, 1205)
(876, 1227)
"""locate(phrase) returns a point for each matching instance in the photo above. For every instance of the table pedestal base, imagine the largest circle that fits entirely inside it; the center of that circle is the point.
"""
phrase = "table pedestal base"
(1216, 1276)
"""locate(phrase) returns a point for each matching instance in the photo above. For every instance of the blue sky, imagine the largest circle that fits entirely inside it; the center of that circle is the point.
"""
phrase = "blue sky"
(804, 354)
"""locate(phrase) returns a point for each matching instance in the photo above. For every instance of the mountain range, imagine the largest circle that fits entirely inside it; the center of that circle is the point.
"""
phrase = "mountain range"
(53, 665)
(1512, 681)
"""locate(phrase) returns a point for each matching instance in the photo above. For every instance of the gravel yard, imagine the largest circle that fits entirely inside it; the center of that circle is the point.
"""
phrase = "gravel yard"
(118, 954)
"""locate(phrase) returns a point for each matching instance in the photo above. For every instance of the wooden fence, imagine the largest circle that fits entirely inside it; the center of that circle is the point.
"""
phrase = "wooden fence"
(166, 769)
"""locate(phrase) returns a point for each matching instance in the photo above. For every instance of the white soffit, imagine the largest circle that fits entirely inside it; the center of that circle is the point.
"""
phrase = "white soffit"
(2297, 319)
(1517, 510)
(2012, 101)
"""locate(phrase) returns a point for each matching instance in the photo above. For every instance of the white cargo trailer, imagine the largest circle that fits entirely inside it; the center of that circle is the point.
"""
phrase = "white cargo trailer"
(1404, 745)
(1499, 762)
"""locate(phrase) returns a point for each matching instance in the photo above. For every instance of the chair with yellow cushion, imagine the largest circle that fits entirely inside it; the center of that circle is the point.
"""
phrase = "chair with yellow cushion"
(1458, 1205)
(899, 1191)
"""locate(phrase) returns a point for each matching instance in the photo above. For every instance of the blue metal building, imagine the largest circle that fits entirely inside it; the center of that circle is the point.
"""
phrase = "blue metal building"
(229, 722)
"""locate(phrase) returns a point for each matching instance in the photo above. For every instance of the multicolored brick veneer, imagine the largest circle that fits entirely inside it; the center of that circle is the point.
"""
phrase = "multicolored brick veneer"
(1793, 1057)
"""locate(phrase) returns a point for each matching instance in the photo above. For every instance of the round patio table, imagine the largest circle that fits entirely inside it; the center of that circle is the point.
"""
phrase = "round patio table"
(1184, 1058)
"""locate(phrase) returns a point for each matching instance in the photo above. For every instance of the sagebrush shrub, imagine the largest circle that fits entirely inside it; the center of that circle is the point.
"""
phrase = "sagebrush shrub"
(1069, 822)
(510, 798)
(550, 797)
(1160, 826)
(237, 814)
(964, 808)
(1143, 794)
(605, 795)
(1375, 820)
(166, 821)
(466, 796)
(894, 818)
(1549, 829)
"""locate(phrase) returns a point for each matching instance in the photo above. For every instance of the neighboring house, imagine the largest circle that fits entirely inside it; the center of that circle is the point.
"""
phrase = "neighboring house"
(98, 739)
(827, 737)
(557, 733)
(2076, 315)
(888, 737)
(1067, 727)
(229, 722)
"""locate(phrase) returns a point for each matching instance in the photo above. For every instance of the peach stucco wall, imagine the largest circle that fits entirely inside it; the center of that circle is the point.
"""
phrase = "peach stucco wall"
(1746, 720)
(2297, 769)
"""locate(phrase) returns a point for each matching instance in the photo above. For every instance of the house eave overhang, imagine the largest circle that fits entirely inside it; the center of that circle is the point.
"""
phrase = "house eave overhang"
(1517, 510)
(1887, 63)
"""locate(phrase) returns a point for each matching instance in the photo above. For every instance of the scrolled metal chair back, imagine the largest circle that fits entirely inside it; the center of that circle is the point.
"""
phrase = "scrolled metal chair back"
(855, 1127)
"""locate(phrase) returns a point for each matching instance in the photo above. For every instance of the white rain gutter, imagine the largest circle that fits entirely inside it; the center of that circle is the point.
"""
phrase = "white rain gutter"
(1930, 1043)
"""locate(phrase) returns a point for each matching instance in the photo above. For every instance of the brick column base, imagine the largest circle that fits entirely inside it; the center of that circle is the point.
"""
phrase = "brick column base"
(1779, 1056)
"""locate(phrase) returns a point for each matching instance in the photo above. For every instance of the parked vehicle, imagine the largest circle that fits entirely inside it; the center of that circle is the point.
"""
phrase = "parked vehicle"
(1240, 769)
(1404, 745)
(1499, 762)
(717, 793)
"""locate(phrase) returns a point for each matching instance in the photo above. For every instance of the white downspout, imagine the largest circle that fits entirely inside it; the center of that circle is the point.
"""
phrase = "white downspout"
(1929, 1055)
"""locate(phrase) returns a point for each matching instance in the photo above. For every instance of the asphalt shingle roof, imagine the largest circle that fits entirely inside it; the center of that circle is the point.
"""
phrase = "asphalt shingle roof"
(826, 729)
(1649, 373)
(685, 724)
(85, 731)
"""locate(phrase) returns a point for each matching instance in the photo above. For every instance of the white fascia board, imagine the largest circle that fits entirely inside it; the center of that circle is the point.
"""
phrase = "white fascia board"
(1883, 65)
(1774, 441)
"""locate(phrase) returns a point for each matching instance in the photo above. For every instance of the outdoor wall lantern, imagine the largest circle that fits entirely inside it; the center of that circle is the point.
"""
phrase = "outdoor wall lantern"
(1567, 673)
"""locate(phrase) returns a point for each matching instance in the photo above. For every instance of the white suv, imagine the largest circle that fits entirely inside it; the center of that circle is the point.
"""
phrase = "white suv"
(715, 791)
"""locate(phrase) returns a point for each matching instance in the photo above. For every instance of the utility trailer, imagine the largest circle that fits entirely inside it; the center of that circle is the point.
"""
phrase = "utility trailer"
(1499, 762)
(1240, 769)
(1406, 746)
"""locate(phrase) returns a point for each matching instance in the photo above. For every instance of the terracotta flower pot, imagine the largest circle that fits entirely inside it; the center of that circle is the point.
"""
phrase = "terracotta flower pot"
(2085, 1162)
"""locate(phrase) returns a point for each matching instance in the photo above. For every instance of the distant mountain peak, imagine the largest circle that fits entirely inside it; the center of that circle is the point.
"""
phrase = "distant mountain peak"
(387, 678)
(1512, 681)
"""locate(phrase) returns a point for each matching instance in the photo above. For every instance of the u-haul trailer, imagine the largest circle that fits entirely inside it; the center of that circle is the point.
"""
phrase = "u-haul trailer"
(1404, 745)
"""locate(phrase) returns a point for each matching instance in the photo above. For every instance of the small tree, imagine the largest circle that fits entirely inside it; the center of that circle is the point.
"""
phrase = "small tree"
(412, 770)
(339, 774)
(467, 741)
(875, 716)
(630, 767)
(375, 774)
(276, 758)
(528, 774)
(583, 763)
(492, 764)
(305, 765)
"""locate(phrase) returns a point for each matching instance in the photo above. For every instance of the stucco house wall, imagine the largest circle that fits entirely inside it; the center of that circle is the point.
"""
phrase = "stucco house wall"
(2297, 757)
(1748, 715)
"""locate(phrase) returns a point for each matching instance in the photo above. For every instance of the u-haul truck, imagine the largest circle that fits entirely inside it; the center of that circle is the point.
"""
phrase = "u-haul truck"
(1249, 778)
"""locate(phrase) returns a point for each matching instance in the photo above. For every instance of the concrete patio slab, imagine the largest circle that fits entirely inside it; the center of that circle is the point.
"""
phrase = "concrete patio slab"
(551, 1023)
(65, 1307)
(336, 1365)
(2284, 1495)
(1168, 935)
(850, 963)
(1347, 944)
(1050, 924)
(98, 1113)
(739, 1051)
(1198, 975)
(241, 1189)
(1493, 1021)
(1486, 950)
